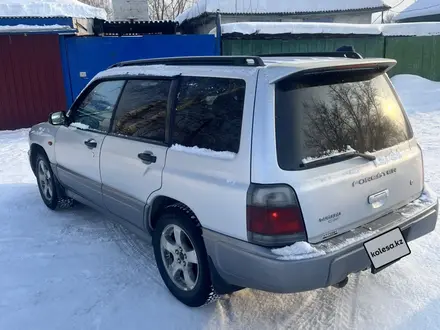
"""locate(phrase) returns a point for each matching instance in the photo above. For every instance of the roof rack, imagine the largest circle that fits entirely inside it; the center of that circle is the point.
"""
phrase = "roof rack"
(347, 54)
(252, 61)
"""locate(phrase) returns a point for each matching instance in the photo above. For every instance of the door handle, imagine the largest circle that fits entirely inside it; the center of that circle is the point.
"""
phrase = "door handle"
(91, 143)
(147, 157)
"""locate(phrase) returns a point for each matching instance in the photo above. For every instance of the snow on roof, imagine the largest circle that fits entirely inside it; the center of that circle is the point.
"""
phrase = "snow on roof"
(35, 28)
(297, 28)
(397, 29)
(276, 7)
(49, 8)
(420, 8)
(411, 29)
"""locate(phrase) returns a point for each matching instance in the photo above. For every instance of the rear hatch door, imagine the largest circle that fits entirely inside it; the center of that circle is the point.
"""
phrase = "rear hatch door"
(346, 146)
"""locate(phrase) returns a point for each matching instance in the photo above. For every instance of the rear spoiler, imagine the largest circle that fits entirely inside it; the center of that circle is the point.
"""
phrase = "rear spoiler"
(370, 66)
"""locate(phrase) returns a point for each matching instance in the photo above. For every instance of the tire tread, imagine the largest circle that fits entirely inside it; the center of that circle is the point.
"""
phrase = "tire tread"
(61, 202)
(180, 211)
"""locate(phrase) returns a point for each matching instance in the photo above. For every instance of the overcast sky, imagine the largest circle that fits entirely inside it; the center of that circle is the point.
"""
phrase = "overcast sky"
(397, 6)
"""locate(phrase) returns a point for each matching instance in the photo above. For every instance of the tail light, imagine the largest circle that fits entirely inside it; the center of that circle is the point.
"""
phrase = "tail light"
(274, 216)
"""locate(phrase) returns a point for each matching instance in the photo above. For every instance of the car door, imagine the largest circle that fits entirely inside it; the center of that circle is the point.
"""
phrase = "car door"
(78, 145)
(133, 154)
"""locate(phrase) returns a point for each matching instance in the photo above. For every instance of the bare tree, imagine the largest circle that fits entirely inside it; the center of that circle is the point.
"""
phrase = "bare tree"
(352, 114)
(388, 17)
(167, 9)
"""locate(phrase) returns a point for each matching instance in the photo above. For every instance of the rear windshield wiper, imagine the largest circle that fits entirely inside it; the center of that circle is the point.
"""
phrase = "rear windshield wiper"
(359, 154)
(335, 158)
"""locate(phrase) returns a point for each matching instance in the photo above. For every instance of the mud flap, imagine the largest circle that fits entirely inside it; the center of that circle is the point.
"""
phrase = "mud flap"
(219, 284)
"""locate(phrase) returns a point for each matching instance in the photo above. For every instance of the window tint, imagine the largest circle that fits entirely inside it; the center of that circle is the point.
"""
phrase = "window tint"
(95, 111)
(209, 113)
(142, 110)
(336, 113)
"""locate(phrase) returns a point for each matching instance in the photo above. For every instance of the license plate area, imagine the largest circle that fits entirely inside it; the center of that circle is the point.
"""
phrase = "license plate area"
(386, 249)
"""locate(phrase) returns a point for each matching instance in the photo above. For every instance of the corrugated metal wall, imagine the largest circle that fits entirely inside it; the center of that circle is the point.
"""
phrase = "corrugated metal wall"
(414, 55)
(371, 46)
(31, 80)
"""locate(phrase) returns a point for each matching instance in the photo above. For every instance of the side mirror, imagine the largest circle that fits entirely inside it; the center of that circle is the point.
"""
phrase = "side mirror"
(58, 118)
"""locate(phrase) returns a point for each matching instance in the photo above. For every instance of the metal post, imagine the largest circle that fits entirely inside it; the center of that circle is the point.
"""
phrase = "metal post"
(218, 32)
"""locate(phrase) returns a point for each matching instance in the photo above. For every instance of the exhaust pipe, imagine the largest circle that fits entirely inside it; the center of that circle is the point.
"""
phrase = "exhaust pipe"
(341, 284)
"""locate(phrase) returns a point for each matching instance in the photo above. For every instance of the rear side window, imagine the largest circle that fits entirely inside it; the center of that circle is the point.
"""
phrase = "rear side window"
(209, 113)
(142, 110)
(318, 116)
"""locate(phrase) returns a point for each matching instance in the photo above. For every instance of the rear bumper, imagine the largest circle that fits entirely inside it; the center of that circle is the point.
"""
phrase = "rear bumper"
(246, 265)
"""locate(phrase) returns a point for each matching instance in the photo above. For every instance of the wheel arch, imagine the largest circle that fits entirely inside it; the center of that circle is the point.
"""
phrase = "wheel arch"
(159, 204)
(163, 203)
(35, 150)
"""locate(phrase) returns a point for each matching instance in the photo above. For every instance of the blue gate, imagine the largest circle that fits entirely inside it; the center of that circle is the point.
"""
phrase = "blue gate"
(84, 57)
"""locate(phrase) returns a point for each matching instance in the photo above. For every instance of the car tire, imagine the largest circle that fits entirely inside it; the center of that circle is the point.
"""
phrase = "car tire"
(49, 186)
(185, 257)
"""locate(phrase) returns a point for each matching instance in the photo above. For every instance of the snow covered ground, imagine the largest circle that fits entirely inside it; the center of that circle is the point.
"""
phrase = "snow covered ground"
(74, 270)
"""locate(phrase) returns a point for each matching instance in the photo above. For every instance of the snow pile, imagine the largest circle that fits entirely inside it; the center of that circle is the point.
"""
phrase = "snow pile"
(49, 8)
(406, 29)
(279, 6)
(297, 251)
(34, 28)
(417, 94)
(14, 169)
(204, 152)
(420, 8)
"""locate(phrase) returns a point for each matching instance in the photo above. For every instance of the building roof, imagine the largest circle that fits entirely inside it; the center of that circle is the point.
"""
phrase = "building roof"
(255, 7)
(49, 8)
(420, 8)
(300, 28)
(45, 29)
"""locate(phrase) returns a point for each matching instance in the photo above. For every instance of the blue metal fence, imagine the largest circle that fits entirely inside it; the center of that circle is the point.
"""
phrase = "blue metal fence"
(84, 57)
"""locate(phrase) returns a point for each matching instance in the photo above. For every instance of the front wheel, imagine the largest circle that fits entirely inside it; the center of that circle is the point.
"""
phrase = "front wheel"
(181, 257)
(46, 182)
(48, 185)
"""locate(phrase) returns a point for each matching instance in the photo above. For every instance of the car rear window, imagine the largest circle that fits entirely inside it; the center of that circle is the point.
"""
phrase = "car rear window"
(320, 115)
